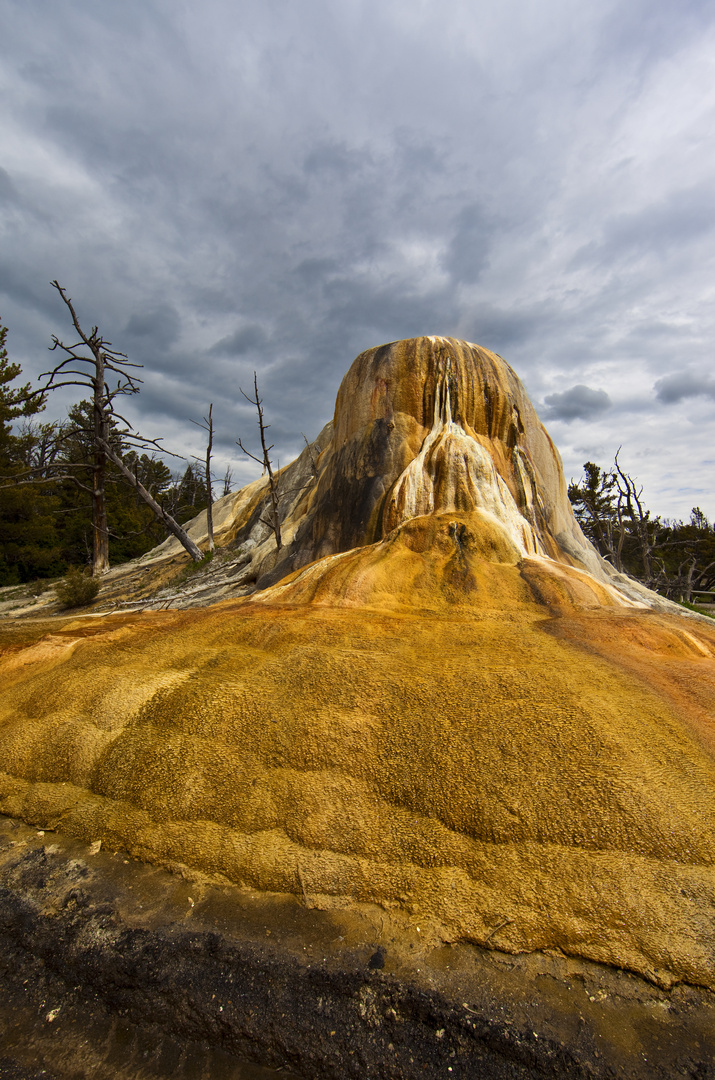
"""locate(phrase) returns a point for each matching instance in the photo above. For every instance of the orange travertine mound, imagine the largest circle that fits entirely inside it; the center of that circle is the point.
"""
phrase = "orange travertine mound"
(444, 718)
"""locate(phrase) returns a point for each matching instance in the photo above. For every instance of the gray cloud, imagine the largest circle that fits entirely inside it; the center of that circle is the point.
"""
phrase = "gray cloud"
(578, 403)
(647, 28)
(223, 187)
(246, 340)
(160, 324)
(684, 384)
(501, 329)
(333, 158)
(468, 251)
(687, 215)
(312, 272)
(8, 191)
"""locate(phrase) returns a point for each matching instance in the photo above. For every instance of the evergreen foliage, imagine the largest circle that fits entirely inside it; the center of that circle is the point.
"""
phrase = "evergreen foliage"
(28, 539)
(45, 488)
(675, 558)
(190, 495)
(77, 588)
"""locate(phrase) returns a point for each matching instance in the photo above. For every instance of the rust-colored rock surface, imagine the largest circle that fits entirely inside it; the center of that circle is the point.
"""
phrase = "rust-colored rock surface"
(428, 425)
(456, 712)
(422, 426)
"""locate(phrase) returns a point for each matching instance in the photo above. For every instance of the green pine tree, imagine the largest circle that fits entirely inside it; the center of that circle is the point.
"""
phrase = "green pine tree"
(29, 546)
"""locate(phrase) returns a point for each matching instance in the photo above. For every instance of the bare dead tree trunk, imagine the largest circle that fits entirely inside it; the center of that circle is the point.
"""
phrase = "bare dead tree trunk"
(687, 594)
(312, 456)
(618, 550)
(92, 371)
(208, 426)
(173, 526)
(273, 520)
(644, 529)
(100, 526)
(603, 531)
(209, 491)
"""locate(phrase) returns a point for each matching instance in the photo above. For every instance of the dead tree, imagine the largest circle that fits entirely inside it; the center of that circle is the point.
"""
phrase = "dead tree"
(273, 516)
(94, 372)
(643, 528)
(208, 426)
(599, 512)
(167, 520)
(312, 455)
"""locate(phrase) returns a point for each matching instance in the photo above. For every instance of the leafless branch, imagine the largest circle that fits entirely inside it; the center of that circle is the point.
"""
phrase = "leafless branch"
(265, 460)
(311, 455)
(172, 525)
(208, 427)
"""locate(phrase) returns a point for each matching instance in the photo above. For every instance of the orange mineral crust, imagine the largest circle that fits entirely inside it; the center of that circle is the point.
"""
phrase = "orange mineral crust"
(493, 745)
(424, 426)
(434, 695)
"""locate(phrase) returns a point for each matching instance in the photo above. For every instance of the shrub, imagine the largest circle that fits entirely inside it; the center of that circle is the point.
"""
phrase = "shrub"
(76, 588)
(190, 569)
(37, 588)
(695, 607)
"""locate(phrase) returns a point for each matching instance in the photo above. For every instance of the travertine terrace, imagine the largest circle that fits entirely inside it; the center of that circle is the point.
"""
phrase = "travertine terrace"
(436, 697)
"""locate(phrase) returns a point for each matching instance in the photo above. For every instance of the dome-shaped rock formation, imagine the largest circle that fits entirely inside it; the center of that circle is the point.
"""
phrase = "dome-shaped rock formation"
(421, 426)
(428, 426)
(447, 704)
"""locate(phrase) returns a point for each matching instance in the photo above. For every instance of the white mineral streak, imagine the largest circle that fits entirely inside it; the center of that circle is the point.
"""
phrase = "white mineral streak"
(454, 472)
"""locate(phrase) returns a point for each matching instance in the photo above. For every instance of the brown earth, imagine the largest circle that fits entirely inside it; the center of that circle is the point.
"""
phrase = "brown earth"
(111, 969)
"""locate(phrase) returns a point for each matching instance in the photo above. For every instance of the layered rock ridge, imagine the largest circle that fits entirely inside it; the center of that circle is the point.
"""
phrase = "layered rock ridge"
(452, 471)
(487, 767)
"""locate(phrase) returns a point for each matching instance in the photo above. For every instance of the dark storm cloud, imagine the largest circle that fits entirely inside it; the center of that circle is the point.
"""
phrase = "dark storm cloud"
(8, 191)
(247, 339)
(160, 324)
(578, 403)
(647, 28)
(655, 330)
(684, 384)
(417, 157)
(19, 282)
(468, 251)
(311, 272)
(500, 329)
(282, 186)
(387, 308)
(337, 159)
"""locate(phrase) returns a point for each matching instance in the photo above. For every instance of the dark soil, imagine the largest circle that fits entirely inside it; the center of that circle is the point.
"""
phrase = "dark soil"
(111, 968)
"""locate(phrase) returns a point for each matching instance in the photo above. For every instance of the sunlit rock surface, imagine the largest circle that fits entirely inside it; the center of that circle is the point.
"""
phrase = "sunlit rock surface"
(449, 706)
(422, 426)
(432, 425)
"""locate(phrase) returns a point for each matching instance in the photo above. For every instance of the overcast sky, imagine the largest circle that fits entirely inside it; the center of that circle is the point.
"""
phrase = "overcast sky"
(279, 185)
